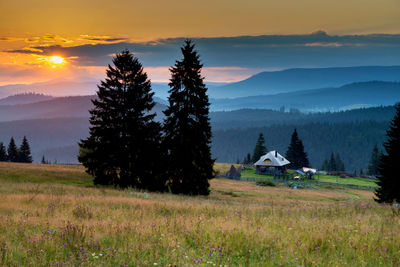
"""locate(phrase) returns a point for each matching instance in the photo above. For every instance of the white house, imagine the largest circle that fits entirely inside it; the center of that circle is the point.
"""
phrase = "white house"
(271, 163)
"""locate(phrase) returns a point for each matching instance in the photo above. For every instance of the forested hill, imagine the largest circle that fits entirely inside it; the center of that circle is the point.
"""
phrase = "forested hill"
(350, 96)
(245, 118)
(353, 141)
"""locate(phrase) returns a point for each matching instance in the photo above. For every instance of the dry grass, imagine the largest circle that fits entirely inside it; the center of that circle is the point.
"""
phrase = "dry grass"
(239, 224)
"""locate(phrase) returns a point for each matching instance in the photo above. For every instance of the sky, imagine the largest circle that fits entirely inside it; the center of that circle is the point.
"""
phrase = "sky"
(75, 40)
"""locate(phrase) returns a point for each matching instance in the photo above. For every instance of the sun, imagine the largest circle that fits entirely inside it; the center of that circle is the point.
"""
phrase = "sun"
(56, 60)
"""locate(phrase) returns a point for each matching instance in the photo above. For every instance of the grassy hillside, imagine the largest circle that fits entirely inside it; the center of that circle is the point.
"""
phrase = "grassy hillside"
(52, 216)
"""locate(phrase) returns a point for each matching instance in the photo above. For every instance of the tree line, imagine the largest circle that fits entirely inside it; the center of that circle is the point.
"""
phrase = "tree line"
(354, 141)
(16, 154)
(128, 148)
(333, 164)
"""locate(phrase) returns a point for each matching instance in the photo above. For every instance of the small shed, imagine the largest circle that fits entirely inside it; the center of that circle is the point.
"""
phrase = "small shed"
(271, 163)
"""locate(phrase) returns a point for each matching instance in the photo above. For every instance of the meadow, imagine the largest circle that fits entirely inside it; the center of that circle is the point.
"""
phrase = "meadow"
(249, 173)
(52, 215)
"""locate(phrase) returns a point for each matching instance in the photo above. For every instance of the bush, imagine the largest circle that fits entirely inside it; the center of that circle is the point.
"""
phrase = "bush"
(266, 183)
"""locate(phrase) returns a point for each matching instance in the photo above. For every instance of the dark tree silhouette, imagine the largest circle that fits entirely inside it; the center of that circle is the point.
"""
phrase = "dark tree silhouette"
(24, 152)
(339, 163)
(335, 163)
(123, 148)
(3, 153)
(247, 159)
(296, 154)
(12, 151)
(374, 161)
(187, 127)
(388, 178)
(260, 149)
(43, 161)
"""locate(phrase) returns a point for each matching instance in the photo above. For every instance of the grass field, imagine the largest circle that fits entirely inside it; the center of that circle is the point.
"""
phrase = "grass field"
(51, 215)
(250, 172)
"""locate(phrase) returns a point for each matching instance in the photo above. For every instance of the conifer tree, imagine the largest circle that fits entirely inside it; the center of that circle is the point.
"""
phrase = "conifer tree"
(332, 163)
(3, 153)
(388, 178)
(43, 161)
(123, 148)
(247, 159)
(295, 153)
(339, 164)
(374, 161)
(24, 152)
(260, 149)
(12, 151)
(325, 165)
(187, 130)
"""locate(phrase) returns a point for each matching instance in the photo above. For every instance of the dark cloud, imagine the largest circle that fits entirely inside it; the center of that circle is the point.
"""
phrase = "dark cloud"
(107, 39)
(278, 51)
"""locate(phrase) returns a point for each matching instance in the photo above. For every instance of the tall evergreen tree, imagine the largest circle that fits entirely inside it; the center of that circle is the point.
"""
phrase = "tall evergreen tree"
(332, 163)
(24, 152)
(295, 153)
(3, 153)
(374, 161)
(260, 149)
(43, 161)
(123, 148)
(339, 164)
(187, 130)
(388, 178)
(12, 151)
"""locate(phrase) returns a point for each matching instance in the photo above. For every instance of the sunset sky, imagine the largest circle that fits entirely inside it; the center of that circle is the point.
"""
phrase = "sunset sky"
(74, 40)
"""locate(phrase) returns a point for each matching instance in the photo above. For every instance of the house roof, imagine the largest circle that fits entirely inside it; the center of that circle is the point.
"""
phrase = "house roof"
(272, 159)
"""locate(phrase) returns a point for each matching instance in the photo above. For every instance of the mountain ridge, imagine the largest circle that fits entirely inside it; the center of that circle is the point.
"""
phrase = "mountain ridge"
(297, 79)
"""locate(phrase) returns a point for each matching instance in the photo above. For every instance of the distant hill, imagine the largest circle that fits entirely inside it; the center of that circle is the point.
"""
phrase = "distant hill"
(275, 82)
(352, 133)
(355, 95)
(24, 98)
(248, 118)
(58, 107)
(54, 88)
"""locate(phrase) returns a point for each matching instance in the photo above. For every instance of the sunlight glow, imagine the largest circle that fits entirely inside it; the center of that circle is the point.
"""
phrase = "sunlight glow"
(56, 60)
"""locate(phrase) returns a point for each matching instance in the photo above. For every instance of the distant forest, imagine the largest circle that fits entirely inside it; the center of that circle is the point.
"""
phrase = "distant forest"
(245, 118)
(353, 141)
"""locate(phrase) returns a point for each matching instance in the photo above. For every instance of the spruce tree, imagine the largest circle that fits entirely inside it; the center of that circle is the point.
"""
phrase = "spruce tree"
(339, 163)
(295, 153)
(43, 161)
(3, 153)
(123, 147)
(374, 161)
(332, 163)
(187, 130)
(388, 178)
(260, 148)
(12, 151)
(24, 153)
